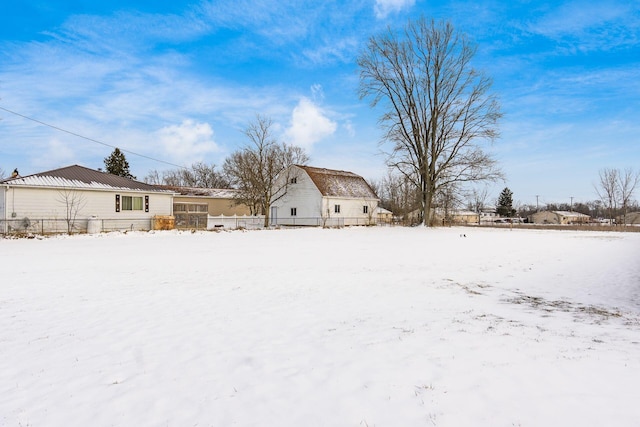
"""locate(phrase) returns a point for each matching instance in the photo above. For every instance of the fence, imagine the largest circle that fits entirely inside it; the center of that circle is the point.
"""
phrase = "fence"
(58, 226)
(235, 222)
(27, 226)
(254, 222)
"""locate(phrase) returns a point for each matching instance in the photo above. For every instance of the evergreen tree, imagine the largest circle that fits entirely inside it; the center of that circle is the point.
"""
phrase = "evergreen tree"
(505, 203)
(116, 164)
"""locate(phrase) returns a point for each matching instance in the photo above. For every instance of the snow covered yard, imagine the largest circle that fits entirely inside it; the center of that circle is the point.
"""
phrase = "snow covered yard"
(312, 327)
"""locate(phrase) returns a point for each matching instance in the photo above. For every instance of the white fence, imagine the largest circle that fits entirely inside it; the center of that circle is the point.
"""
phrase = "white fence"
(235, 221)
(255, 222)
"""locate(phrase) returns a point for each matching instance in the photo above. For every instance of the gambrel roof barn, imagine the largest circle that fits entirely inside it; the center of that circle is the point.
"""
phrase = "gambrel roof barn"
(320, 196)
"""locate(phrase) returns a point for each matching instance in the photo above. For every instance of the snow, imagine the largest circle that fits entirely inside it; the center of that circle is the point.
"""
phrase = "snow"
(315, 327)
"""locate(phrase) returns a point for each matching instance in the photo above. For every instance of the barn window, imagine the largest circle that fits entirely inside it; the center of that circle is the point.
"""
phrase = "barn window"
(365, 209)
(294, 211)
(336, 208)
(293, 180)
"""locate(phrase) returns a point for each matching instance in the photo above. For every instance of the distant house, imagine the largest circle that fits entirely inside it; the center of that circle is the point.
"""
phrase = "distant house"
(559, 217)
(384, 216)
(192, 206)
(488, 214)
(464, 217)
(66, 199)
(318, 196)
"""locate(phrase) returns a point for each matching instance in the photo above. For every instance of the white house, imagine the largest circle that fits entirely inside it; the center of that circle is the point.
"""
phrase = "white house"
(318, 196)
(75, 198)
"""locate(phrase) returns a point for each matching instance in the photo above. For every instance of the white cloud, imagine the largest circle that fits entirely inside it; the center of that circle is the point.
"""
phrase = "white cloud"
(188, 142)
(382, 8)
(308, 124)
(55, 154)
(348, 126)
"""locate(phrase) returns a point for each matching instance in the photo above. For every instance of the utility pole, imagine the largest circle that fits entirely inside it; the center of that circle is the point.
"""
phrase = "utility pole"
(537, 208)
(571, 205)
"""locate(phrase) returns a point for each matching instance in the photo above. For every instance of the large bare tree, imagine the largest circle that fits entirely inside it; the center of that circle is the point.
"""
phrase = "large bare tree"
(437, 108)
(256, 169)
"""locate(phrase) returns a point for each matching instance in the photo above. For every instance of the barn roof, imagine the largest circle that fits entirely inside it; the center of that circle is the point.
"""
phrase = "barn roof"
(337, 183)
(82, 178)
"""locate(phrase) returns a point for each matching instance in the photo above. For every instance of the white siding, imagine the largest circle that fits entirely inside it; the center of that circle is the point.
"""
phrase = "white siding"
(40, 203)
(3, 213)
(311, 206)
(304, 196)
(352, 210)
(3, 192)
(50, 204)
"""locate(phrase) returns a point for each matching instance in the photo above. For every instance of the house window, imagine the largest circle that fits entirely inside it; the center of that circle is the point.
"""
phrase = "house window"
(293, 180)
(365, 209)
(336, 208)
(131, 203)
(294, 211)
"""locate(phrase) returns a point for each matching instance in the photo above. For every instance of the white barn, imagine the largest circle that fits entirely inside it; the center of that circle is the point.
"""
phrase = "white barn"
(72, 198)
(326, 197)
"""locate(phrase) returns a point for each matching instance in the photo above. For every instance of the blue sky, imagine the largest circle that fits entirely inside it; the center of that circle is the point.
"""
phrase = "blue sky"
(179, 81)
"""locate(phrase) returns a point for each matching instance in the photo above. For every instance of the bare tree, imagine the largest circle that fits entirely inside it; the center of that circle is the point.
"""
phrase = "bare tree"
(438, 107)
(198, 175)
(2, 174)
(370, 210)
(607, 189)
(397, 194)
(627, 183)
(256, 170)
(153, 178)
(478, 199)
(447, 200)
(73, 202)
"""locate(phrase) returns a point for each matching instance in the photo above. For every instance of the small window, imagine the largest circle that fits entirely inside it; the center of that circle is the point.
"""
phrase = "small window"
(130, 203)
(294, 211)
(336, 208)
(365, 209)
(293, 180)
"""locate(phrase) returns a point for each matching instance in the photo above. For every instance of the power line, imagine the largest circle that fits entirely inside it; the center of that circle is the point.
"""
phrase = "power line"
(89, 139)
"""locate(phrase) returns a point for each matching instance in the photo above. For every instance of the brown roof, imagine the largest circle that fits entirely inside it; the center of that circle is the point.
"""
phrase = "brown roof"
(337, 183)
(80, 177)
